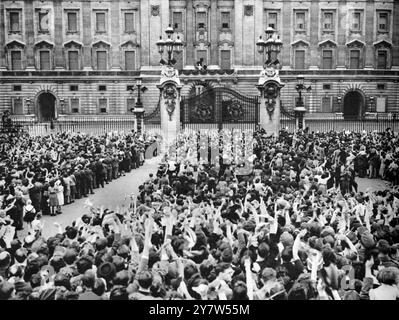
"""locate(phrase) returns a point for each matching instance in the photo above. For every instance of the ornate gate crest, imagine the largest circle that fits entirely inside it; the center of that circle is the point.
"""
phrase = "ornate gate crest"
(155, 10)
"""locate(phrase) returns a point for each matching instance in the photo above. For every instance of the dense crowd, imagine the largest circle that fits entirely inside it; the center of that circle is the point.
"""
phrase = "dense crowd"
(295, 226)
(39, 175)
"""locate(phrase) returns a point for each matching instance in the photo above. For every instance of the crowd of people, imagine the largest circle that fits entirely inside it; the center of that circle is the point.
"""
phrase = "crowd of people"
(295, 227)
(41, 174)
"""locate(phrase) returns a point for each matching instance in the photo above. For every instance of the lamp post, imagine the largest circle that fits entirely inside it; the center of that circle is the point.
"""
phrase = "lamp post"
(300, 107)
(170, 45)
(138, 109)
(271, 44)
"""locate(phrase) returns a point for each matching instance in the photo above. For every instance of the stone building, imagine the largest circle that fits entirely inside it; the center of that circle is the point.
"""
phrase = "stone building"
(63, 59)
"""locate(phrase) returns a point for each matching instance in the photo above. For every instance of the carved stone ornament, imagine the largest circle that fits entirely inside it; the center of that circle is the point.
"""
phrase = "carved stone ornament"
(155, 10)
(170, 96)
(248, 10)
(270, 106)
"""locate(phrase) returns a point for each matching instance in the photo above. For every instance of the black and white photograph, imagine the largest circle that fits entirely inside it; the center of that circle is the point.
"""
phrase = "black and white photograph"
(233, 151)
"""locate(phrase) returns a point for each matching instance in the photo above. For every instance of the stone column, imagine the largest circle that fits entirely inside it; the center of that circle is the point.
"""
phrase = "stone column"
(214, 54)
(29, 36)
(314, 36)
(169, 88)
(369, 35)
(145, 16)
(395, 36)
(189, 35)
(2, 38)
(341, 39)
(58, 49)
(87, 35)
(115, 35)
(269, 86)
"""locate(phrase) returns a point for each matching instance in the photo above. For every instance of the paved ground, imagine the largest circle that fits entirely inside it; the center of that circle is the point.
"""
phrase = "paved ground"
(114, 193)
(110, 196)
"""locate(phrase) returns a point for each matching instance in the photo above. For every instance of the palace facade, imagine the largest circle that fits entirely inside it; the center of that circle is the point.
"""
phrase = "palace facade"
(63, 59)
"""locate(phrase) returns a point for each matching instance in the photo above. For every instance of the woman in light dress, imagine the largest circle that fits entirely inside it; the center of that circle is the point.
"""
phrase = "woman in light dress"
(60, 195)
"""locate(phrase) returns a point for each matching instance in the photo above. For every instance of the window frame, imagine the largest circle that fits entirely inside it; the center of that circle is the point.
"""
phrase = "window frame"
(11, 59)
(105, 13)
(359, 29)
(106, 59)
(304, 59)
(19, 13)
(323, 58)
(222, 20)
(40, 60)
(387, 13)
(125, 30)
(99, 105)
(296, 12)
(68, 59)
(128, 111)
(222, 51)
(358, 58)
(71, 107)
(386, 59)
(197, 20)
(38, 15)
(324, 13)
(21, 100)
(179, 29)
(135, 59)
(75, 12)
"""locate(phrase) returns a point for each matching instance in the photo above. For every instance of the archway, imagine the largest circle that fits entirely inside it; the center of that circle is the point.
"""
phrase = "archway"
(46, 107)
(353, 104)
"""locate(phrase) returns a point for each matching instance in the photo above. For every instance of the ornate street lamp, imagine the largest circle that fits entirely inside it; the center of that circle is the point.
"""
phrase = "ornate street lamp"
(170, 45)
(300, 109)
(138, 109)
(271, 44)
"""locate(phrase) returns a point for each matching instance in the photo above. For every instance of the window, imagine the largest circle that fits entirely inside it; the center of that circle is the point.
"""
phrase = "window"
(130, 60)
(356, 21)
(102, 88)
(44, 57)
(102, 104)
(299, 59)
(178, 21)
(74, 105)
(100, 22)
(73, 87)
(354, 58)
(225, 61)
(130, 103)
(326, 86)
(73, 60)
(16, 60)
(327, 59)
(17, 88)
(383, 22)
(129, 22)
(380, 86)
(381, 59)
(18, 106)
(300, 21)
(101, 60)
(72, 18)
(381, 104)
(15, 25)
(201, 20)
(225, 20)
(328, 21)
(272, 20)
(326, 104)
(43, 21)
(202, 54)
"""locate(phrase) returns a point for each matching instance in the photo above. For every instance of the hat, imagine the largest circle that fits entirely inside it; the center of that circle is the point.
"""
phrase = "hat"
(5, 259)
(286, 239)
(361, 230)
(367, 240)
(106, 270)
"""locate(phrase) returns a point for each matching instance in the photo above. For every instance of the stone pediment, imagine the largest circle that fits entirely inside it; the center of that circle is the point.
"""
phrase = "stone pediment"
(327, 43)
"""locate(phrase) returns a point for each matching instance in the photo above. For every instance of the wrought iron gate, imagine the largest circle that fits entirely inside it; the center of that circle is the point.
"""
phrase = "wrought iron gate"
(218, 108)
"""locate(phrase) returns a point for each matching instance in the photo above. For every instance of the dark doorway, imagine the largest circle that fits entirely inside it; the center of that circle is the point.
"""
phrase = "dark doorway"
(46, 107)
(353, 104)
